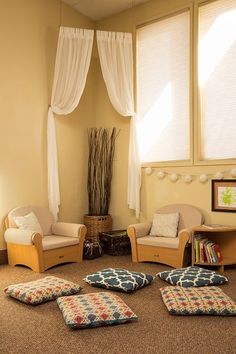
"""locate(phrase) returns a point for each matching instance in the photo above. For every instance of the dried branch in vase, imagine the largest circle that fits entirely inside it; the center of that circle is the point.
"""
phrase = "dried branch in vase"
(101, 154)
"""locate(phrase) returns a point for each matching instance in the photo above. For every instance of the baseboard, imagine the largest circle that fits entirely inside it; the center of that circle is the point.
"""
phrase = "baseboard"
(3, 257)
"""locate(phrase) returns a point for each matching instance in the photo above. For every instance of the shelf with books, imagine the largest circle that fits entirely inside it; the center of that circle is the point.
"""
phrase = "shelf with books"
(214, 245)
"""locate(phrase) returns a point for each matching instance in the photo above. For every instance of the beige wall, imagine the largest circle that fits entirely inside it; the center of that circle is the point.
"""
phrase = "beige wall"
(155, 192)
(28, 37)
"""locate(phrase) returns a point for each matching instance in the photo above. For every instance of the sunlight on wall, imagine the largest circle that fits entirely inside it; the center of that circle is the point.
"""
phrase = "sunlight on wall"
(151, 126)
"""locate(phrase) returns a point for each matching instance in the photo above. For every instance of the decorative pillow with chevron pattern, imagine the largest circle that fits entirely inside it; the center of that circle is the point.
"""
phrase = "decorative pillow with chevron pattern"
(192, 276)
(209, 300)
(119, 279)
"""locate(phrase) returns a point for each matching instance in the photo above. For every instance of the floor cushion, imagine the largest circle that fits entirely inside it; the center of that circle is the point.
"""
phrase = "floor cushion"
(94, 310)
(42, 290)
(192, 276)
(197, 301)
(119, 279)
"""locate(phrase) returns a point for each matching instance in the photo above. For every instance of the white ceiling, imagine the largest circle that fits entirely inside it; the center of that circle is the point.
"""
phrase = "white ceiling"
(100, 9)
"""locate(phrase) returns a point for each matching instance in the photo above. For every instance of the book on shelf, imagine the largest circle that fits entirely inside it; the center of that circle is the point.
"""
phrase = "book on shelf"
(206, 251)
(197, 247)
(216, 248)
(203, 257)
(214, 258)
(208, 259)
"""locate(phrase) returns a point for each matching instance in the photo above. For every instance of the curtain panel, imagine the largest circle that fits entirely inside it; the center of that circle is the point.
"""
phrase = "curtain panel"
(116, 58)
(73, 58)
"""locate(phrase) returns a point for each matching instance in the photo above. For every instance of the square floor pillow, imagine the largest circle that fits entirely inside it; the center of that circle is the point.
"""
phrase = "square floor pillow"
(192, 276)
(42, 290)
(94, 310)
(197, 301)
(119, 279)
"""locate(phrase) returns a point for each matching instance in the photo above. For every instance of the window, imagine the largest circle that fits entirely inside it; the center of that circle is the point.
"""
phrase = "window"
(163, 89)
(166, 93)
(217, 79)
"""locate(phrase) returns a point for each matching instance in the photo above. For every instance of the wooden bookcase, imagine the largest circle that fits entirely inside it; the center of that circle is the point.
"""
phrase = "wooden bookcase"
(225, 236)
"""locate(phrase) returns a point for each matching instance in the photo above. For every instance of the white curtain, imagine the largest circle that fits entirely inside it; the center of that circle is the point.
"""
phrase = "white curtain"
(73, 57)
(116, 58)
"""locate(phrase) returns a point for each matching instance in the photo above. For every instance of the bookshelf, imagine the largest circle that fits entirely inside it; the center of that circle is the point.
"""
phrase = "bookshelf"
(224, 236)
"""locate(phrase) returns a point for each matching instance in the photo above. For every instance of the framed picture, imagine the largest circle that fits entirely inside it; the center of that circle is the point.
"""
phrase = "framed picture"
(223, 195)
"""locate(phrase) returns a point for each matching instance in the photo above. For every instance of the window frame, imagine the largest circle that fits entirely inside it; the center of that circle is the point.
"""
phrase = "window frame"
(198, 161)
(194, 94)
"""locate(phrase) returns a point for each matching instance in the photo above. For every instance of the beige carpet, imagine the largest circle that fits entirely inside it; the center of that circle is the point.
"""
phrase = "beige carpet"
(41, 329)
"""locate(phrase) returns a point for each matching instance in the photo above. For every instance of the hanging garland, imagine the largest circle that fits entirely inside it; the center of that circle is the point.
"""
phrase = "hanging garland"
(188, 178)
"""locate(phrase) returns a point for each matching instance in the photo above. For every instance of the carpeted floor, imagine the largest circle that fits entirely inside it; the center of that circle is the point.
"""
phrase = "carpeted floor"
(41, 329)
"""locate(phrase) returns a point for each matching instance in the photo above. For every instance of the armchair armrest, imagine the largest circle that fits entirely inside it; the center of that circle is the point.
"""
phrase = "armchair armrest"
(67, 229)
(140, 230)
(185, 237)
(19, 236)
(134, 231)
(186, 234)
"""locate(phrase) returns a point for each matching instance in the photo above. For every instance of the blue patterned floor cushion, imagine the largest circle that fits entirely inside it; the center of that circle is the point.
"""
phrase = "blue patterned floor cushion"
(197, 301)
(119, 279)
(192, 276)
(94, 310)
(42, 290)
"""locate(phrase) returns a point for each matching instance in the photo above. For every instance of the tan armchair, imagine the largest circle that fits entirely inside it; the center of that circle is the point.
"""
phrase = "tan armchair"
(57, 243)
(173, 251)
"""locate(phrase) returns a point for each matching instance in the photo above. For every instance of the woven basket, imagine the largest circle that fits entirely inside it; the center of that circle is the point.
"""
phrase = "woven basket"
(97, 224)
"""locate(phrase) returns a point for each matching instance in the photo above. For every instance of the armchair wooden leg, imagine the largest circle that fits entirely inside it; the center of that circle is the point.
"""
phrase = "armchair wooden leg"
(132, 237)
(83, 231)
(25, 255)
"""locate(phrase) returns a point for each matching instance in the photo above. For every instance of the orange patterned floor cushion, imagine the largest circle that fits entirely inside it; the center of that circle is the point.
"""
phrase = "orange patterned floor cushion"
(42, 290)
(197, 301)
(95, 309)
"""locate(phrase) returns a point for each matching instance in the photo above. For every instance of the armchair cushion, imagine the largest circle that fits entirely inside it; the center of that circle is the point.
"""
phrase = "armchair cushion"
(119, 279)
(94, 310)
(197, 301)
(141, 229)
(192, 276)
(17, 236)
(28, 222)
(168, 242)
(42, 290)
(165, 225)
(53, 241)
(66, 229)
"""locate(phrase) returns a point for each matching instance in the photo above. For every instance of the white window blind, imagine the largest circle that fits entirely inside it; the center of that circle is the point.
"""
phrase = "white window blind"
(163, 50)
(217, 79)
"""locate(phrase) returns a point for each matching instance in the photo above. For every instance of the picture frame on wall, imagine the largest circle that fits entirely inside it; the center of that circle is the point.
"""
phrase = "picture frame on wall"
(223, 195)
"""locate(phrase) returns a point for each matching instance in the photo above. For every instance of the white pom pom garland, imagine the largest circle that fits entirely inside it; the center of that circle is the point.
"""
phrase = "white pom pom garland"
(173, 177)
(188, 179)
(203, 178)
(219, 175)
(148, 171)
(160, 174)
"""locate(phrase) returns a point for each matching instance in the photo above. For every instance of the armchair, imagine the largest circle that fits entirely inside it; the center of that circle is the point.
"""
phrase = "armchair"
(173, 251)
(57, 243)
